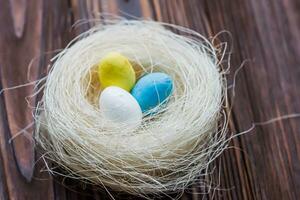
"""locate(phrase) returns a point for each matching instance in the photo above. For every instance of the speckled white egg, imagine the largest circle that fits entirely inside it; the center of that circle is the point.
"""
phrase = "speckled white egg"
(119, 106)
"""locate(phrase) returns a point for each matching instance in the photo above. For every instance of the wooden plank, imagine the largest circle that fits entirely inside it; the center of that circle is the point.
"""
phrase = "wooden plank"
(262, 164)
(266, 89)
(13, 73)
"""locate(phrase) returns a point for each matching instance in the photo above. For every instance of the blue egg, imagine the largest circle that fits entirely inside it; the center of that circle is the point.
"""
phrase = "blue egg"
(152, 89)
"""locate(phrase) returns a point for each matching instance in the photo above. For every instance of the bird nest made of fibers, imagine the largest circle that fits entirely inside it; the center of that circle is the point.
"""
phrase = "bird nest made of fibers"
(172, 148)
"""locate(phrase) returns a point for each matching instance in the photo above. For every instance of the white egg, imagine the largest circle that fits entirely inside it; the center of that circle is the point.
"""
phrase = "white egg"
(119, 106)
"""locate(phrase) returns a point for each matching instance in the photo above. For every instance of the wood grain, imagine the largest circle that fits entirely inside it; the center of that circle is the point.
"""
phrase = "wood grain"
(262, 164)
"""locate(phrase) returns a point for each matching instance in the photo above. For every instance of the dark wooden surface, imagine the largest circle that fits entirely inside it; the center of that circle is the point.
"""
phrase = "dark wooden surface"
(262, 164)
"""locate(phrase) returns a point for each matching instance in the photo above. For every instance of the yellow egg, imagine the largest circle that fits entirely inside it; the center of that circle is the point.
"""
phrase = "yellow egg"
(115, 70)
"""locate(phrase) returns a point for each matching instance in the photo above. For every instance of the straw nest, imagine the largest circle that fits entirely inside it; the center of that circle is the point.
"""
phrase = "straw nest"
(172, 148)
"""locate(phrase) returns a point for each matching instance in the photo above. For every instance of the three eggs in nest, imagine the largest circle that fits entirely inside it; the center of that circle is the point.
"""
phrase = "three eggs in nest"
(124, 99)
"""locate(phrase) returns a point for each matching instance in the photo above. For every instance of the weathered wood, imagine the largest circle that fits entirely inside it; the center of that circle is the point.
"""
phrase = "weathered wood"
(262, 164)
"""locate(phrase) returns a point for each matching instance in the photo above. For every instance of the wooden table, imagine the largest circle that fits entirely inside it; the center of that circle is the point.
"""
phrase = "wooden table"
(261, 164)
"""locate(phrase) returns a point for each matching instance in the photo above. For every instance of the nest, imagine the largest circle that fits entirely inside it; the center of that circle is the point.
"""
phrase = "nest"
(171, 148)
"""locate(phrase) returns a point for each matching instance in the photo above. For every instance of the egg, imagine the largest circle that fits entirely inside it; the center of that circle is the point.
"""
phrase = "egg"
(152, 89)
(119, 106)
(115, 70)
